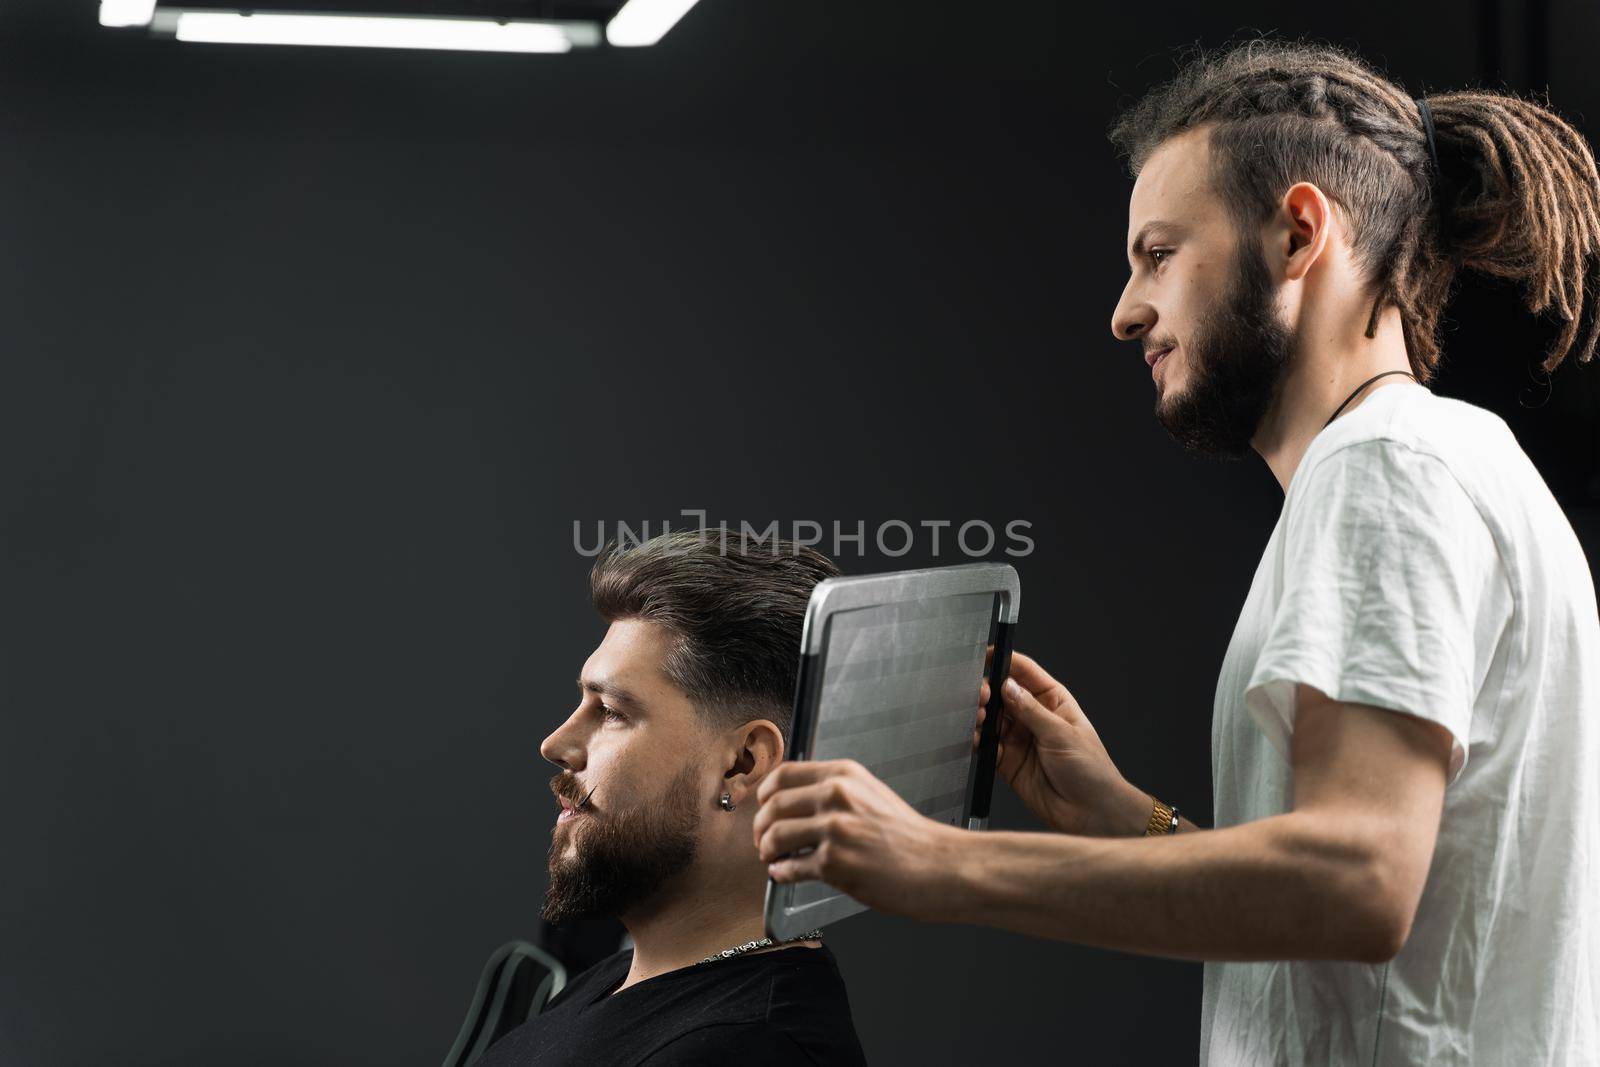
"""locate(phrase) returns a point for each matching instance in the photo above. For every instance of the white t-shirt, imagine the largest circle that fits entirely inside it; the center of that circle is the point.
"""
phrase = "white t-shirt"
(1421, 565)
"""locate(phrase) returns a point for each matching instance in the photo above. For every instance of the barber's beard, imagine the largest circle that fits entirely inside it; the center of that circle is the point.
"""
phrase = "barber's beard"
(1236, 362)
(623, 858)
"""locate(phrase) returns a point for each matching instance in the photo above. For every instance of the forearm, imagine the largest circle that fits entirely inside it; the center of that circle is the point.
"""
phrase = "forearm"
(1278, 888)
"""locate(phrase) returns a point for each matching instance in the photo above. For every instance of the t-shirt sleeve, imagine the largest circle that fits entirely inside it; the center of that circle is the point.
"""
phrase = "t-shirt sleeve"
(1386, 562)
(729, 1045)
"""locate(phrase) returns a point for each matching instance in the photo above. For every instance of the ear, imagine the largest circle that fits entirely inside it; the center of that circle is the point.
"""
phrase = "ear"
(754, 750)
(1299, 231)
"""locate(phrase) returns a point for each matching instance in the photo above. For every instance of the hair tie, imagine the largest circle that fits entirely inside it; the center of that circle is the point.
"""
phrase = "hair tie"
(1441, 195)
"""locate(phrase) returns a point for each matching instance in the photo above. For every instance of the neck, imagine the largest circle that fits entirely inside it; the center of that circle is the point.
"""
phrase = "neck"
(1331, 359)
(702, 913)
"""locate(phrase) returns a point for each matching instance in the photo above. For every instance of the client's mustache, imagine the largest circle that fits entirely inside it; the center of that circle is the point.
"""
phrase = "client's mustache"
(566, 787)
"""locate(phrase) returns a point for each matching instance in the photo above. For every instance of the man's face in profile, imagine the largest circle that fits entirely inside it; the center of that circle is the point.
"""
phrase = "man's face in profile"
(1201, 293)
(636, 742)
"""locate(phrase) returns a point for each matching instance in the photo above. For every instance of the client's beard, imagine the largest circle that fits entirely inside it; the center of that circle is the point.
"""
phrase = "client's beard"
(1237, 360)
(623, 858)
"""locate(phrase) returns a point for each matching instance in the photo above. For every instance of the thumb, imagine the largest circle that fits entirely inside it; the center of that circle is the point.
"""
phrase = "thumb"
(1027, 711)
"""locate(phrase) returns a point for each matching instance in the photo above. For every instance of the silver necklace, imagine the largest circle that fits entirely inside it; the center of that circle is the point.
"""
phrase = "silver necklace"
(765, 942)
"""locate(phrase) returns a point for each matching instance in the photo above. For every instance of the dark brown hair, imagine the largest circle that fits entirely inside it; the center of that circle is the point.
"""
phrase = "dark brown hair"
(735, 604)
(1518, 196)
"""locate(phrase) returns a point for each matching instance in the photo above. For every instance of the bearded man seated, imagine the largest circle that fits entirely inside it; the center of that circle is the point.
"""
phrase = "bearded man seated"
(683, 709)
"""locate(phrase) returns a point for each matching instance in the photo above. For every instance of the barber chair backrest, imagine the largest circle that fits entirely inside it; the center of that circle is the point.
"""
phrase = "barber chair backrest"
(518, 980)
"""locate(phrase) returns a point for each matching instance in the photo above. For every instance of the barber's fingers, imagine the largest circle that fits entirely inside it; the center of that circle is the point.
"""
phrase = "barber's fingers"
(983, 705)
(983, 715)
(792, 773)
(807, 868)
(1008, 726)
(796, 803)
(1026, 671)
(792, 835)
(1000, 747)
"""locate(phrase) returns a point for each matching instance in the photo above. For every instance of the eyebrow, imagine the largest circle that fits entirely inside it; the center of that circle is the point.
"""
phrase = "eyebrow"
(1144, 232)
(616, 693)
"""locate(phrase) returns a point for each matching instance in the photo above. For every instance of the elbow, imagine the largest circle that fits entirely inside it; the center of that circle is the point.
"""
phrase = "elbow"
(1360, 898)
(1381, 938)
(1379, 908)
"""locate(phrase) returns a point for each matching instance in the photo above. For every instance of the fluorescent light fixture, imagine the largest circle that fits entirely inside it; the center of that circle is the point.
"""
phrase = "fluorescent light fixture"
(126, 12)
(371, 31)
(644, 22)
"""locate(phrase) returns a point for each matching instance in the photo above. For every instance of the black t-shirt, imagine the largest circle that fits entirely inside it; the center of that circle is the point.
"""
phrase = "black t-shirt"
(784, 1007)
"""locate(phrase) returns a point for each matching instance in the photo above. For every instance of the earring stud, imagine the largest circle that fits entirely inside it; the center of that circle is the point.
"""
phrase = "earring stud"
(727, 802)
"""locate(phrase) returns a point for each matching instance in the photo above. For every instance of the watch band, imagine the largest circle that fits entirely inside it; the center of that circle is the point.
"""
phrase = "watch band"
(1163, 820)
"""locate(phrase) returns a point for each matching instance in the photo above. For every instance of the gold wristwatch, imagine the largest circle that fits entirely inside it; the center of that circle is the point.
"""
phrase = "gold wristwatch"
(1163, 820)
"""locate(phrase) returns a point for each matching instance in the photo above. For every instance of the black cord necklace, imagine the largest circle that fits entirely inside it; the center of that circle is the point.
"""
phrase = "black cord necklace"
(1362, 386)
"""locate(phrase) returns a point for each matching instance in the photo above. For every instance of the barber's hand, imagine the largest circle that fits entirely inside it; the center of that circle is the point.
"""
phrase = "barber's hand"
(865, 840)
(1054, 760)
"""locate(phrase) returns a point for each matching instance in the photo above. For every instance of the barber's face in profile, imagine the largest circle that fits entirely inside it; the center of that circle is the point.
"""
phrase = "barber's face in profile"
(638, 743)
(1200, 292)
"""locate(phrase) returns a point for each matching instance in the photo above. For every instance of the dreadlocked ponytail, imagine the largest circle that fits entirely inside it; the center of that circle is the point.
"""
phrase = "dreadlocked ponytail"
(1516, 195)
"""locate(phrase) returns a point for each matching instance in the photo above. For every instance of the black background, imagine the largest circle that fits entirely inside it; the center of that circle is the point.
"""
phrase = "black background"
(314, 357)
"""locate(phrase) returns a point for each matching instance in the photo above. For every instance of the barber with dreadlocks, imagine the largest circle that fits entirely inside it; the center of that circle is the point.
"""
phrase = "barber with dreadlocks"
(1406, 731)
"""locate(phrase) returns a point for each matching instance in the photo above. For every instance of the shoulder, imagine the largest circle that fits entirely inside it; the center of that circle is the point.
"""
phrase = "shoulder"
(791, 1004)
(810, 1006)
(1408, 449)
(1406, 437)
(1414, 415)
(782, 987)
(1411, 483)
(805, 979)
(734, 1044)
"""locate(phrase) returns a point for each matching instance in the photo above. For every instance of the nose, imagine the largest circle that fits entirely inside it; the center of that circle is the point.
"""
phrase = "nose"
(565, 745)
(1133, 317)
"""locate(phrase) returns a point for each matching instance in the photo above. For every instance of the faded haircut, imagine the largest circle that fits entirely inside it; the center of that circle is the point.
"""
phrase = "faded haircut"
(735, 606)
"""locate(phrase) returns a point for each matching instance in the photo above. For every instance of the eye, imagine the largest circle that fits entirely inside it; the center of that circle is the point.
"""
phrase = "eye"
(610, 714)
(1154, 252)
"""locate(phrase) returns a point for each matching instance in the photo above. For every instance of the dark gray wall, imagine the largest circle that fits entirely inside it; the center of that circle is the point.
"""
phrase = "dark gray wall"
(313, 357)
